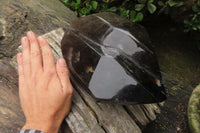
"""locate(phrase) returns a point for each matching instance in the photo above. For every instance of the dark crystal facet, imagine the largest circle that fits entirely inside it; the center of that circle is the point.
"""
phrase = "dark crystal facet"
(113, 60)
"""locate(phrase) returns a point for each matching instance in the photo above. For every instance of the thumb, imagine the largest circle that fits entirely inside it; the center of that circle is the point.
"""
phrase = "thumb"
(63, 74)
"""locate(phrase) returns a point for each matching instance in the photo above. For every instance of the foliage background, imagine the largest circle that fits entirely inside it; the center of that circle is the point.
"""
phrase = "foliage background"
(184, 12)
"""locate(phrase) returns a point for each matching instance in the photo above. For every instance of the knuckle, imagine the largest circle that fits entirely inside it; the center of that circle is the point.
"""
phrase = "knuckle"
(35, 53)
(63, 71)
(35, 74)
(34, 77)
(69, 91)
(26, 62)
(49, 73)
(47, 55)
(19, 62)
(21, 73)
(25, 46)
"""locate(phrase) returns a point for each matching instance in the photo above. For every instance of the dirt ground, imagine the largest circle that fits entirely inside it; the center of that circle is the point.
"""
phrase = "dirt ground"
(177, 52)
(179, 59)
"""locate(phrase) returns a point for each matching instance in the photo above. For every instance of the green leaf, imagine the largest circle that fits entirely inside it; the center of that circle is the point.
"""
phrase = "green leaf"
(172, 3)
(76, 13)
(124, 12)
(94, 4)
(72, 5)
(84, 11)
(104, 5)
(180, 3)
(78, 1)
(195, 8)
(65, 1)
(160, 3)
(88, 6)
(112, 9)
(142, 1)
(133, 16)
(76, 6)
(198, 2)
(139, 7)
(194, 28)
(194, 18)
(150, 1)
(139, 17)
(106, 1)
(151, 8)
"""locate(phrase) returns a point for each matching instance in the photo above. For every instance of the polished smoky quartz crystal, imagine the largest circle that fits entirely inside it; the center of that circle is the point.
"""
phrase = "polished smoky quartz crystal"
(113, 60)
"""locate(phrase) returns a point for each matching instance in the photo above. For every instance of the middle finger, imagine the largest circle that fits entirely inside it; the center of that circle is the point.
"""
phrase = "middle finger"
(36, 58)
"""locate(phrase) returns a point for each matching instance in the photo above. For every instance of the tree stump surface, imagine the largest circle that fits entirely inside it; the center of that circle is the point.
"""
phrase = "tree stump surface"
(16, 18)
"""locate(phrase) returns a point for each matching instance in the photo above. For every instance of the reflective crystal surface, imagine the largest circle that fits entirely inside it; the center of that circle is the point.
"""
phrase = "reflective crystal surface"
(112, 59)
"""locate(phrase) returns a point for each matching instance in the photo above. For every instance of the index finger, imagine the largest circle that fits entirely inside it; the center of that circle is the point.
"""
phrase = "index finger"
(36, 58)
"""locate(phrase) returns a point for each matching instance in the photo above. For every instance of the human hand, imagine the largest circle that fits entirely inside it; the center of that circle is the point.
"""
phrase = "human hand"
(44, 88)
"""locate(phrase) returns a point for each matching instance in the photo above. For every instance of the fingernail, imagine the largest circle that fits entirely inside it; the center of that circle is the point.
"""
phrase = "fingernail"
(61, 62)
(30, 33)
(40, 37)
(23, 39)
(19, 55)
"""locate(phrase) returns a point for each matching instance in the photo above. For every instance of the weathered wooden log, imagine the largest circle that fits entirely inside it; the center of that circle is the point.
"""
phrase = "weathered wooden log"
(19, 16)
(11, 116)
(16, 18)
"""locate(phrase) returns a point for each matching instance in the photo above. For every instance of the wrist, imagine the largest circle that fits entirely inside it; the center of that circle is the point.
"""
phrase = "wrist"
(46, 126)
